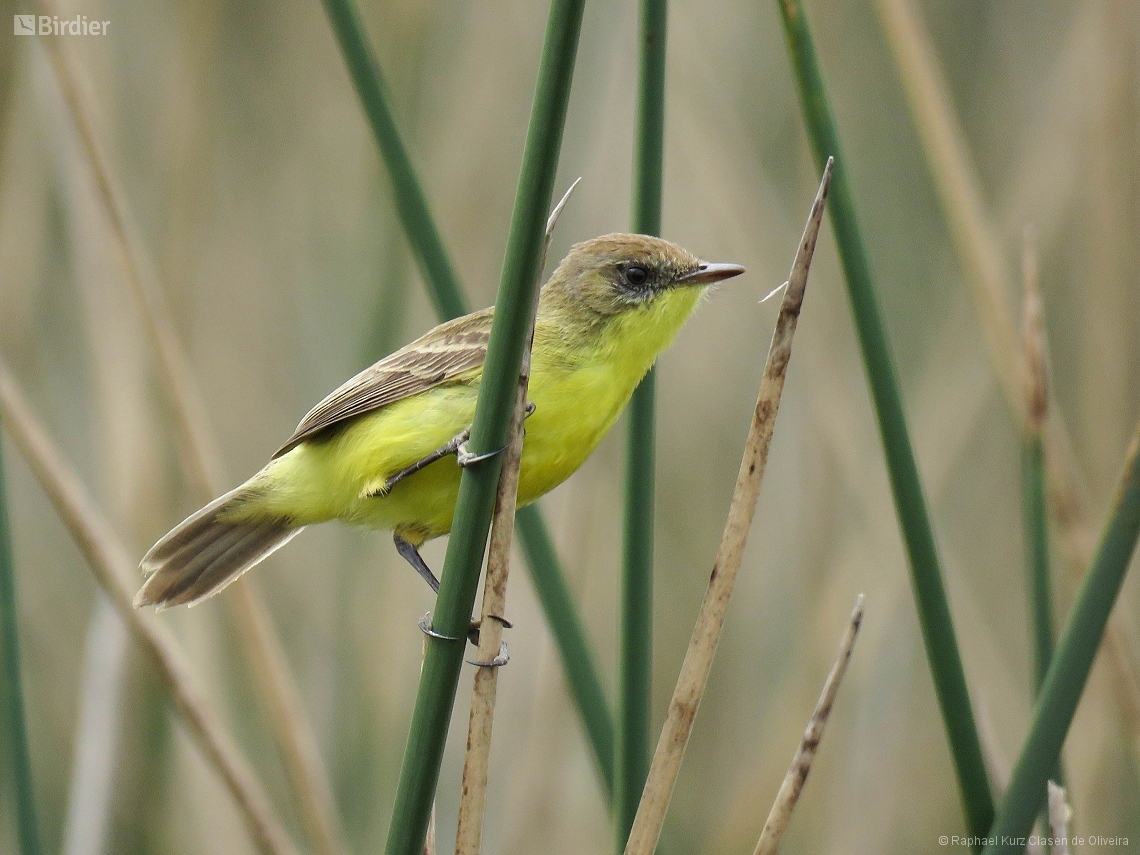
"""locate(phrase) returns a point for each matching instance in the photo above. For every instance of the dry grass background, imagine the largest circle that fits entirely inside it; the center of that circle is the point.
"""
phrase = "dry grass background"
(244, 155)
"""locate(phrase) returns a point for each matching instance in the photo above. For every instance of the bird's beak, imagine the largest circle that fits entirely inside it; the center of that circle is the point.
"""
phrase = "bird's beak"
(708, 273)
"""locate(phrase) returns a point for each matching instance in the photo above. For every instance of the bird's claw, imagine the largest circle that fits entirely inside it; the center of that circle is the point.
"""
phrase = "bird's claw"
(464, 457)
(425, 628)
(503, 656)
(499, 661)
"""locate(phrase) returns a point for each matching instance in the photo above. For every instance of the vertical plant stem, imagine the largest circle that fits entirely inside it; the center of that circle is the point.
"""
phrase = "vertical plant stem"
(447, 296)
(459, 580)
(635, 664)
(635, 633)
(98, 732)
(1037, 555)
(1059, 815)
(15, 723)
(492, 653)
(956, 182)
(445, 291)
(960, 193)
(695, 669)
(1034, 509)
(1068, 672)
(650, 142)
(918, 535)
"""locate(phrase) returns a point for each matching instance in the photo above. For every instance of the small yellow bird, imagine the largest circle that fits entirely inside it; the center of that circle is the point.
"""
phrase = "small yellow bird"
(374, 451)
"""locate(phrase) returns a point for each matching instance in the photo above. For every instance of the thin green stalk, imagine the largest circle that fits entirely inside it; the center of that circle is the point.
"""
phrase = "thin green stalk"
(1037, 554)
(419, 225)
(443, 656)
(926, 574)
(635, 642)
(1069, 669)
(650, 143)
(1033, 501)
(13, 685)
(635, 665)
(448, 298)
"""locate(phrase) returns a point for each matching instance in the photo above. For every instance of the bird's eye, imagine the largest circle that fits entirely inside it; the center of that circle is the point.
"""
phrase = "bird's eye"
(636, 275)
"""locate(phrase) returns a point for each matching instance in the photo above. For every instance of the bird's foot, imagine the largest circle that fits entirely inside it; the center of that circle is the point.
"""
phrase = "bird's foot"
(502, 657)
(465, 458)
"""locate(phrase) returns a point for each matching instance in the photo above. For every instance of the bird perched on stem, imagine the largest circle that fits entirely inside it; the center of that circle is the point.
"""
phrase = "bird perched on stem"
(377, 451)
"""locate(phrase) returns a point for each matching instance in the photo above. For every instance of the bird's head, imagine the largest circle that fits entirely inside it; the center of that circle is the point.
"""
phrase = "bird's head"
(612, 274)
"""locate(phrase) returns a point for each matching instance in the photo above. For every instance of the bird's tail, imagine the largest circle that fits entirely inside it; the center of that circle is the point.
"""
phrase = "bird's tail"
(207, 551)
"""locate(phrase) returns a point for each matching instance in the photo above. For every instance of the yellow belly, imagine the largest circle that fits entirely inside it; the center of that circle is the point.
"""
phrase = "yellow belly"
(333, 478)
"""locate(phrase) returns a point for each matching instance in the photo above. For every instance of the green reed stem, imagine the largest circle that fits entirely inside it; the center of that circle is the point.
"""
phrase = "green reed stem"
(926, 574)
(448, 298)
(443, 657)
(1069, 669)
(13, 691)
(1034, 513)
(411, 202)
(635, 663)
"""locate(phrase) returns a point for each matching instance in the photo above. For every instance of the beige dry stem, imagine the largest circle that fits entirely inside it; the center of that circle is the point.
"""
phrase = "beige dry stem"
(473, 798)
(793, 784)
(201, 460)
(702, 646)
(975, 239)
(115, 572)
(1059, 815)
(1036, 379)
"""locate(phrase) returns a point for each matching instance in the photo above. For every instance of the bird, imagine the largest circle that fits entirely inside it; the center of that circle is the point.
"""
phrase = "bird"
(385, 449)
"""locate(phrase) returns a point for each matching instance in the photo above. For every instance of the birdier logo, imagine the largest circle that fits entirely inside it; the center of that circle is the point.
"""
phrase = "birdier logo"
(50, 25)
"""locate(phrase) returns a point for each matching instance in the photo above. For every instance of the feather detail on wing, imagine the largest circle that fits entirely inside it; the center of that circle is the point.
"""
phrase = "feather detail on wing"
(436, 358)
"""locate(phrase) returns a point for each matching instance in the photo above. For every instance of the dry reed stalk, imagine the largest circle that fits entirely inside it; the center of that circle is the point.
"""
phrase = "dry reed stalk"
(694, 674)
(1059, 815)
(115, 571)
(955, 178)
(128, 477)
(1036, 394)
(201, 460)
(469, 833)
(974, 237)
(793, 783)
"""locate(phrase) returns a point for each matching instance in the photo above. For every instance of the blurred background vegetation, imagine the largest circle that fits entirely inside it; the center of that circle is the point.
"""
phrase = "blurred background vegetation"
(246, 160)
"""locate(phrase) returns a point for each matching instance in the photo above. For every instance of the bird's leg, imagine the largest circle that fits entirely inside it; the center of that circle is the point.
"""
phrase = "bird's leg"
(412, 555)
(457, 446)
(454, 446)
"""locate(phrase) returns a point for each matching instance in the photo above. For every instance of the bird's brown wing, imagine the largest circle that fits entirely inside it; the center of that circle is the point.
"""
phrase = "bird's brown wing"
(443, 354)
